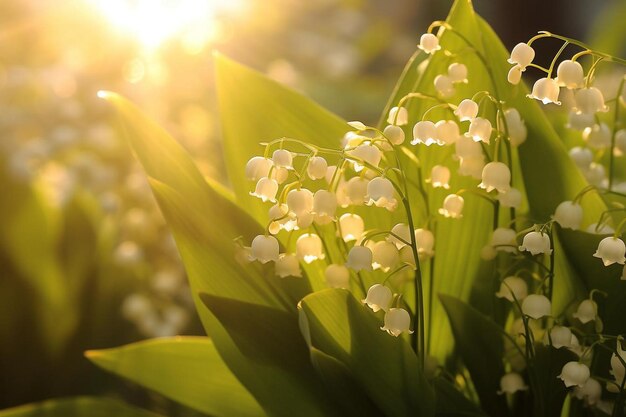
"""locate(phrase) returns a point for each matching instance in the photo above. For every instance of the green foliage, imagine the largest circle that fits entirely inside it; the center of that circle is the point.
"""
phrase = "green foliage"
(77, 407)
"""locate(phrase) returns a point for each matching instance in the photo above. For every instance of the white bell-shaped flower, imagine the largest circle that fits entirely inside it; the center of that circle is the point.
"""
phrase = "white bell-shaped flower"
(617, 367)
(447, 131)
(280, 174)
(351, 226)
(384, 255)
(287, 265)
(504, 239)
(558, 337)
(580, 121)
(536, 243)
(611, 250)
(590, 392)
(360, 258)
(337, 276)
(282, 158)
(397, 321)
(596, 174)
(401, 230)
(488, 253)
(425, 132)
(516, 126)
(587, 311)
(406, 256)
(545, 90)
(353, 139)
(513, 286)
(603, 229)
(522, 55)
(582, 157)
(356, 189)
(378, 298)
(466, 147)
(266, 190)
(398, 116)
(537, 306)
(472, 166)
(598, 136)
(381, 194)
(511, 383)
(324, 205)
(511, 198)
(317, 168)
(574, 374)
(367, 153)
(395, 134)
(620, 142)
(306, 220)
(281, 219)
(514, 75)
(309, 248)
(496, 176)
(264, 249)
(569, 215)
(590, 101)
(429, 43)
(452, 206)
(466, 110)
(479, 130)
(258, 167)
(440, 177)
(300, 201)
(457, 72)
(570, 74)
(425, 241)
(443, 85)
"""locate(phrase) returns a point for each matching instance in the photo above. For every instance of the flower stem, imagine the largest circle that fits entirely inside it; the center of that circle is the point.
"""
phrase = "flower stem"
(614, 132)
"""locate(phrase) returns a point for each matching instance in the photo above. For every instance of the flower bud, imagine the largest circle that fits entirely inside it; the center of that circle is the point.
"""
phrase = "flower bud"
(403, 231)
(447, 131)
(522, 55)
(258, 167)
(425, 132)
(513, 286)
(590, 392)
(440, 176)
(429, 43)
(351, 226)
(300, 201)
(582, 157)
(380, 193)
(337, 276)
(511, 383)
(558, 337)
(360, 258)
(356, 188)
(611, 250)
(452, 206)
(580, 121)
(264, 249)
(496, 176)
(317, 168)
(570, 74)
(309, 248)
(467, 110)
(397, 321)
(443, 85)
(569, 215)
(504, 239)
(510, 199)
(479, 130)
(384, 255)
(545, 90)
(587, 311)
(590, 101)
(457, 72)
(378, 297)
(266, 190)
(395, 134)
(287, 265)
(398, 116)
(282, 158)
(515, 75)
(516, 126)
(536, 306)
(425, 241)
(598, 136)
(536, 243)
(574, 374)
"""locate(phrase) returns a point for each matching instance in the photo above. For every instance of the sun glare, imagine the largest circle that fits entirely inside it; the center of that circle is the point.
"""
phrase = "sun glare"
(152, 22)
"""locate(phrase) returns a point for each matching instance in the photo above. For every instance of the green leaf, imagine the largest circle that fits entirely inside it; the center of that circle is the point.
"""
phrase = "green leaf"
(548, 363)
(385, 367)
(77, 407)
(186, 369)
(451, 402)
(479, 343)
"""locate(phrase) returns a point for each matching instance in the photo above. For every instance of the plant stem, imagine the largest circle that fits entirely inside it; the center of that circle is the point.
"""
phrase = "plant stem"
(613, 133)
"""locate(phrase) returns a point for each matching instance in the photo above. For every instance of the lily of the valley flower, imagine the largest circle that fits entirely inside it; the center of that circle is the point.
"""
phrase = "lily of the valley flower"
(352, 227)
(546, 90)
(440, 177)
(496, 176)
(429, 43)
(287, 265)
(516, 126)
(617, 367)
(580, 121)
(266, 190)
(590, 101)
(452, 206)
(398, 116)
(397, 321)
(282, 158)
(457, 72)
(611, 250)
(587, 311)
(582, 157)
(395, 134)
(536, 243)
(360, 258)
(447, 131)
(466, 110)
(558, 337)
(324, 206)
(513, 288)
(511, 198)
(598, 136)
(537, 306)
(337, 276)
(317, 168)
(264, 249)
(480, 130)
(356, 189)
(504, 239)
(590, 392)
(309, 248)
(443, 85)
(385, 255)
(381, 194)
(511, 383)
(522, 55)
(574, 374)
(569, 215)
(367, 153)
(570, 74)
(300, 202)
(258, 167)
(425, 132)
(514, 75)
(425, 241)
(378, 298)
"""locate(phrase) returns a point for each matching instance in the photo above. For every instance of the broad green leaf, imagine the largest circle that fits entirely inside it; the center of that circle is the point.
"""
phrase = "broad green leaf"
(479, 342)
(452, 403)
(186, 369)
(549, 396)
(385, 367)
(285, 381)
(77, 407)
